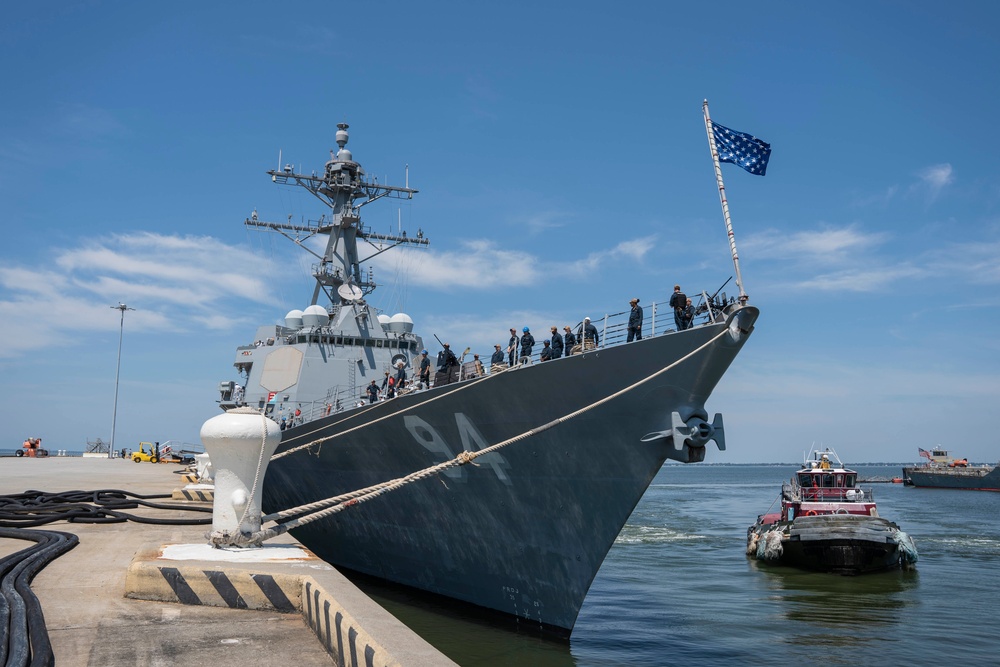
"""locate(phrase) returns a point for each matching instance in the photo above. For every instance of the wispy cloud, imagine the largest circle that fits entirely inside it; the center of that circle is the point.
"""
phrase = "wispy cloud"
(931, 182)
(484, 264)
(851, 259)
(934, 179)
(180, 283)
(832, 259)
(175, 283)
(544, 221)
(477, 264)
(199, 269)
(880, 199)
(828, 246)
(974, 262)
(874, 395)
(633, 250)
(83, 121)
(858, 280)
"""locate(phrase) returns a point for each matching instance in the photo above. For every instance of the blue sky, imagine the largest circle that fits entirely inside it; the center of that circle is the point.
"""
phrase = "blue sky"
(563, 168)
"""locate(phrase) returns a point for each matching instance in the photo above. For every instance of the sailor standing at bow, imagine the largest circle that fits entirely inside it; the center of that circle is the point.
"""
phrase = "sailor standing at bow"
(569, 340)
(556, 342)
(587, 335)
(496, 362)
(635, 321)
(677, 301)
(448, 362)
(512, 347)
(425, 371)
(527, 342)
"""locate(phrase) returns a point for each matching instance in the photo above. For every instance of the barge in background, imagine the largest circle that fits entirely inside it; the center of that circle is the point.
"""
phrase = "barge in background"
(944, 472)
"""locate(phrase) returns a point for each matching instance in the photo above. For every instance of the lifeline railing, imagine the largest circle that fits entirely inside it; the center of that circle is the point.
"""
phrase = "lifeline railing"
(612, 330)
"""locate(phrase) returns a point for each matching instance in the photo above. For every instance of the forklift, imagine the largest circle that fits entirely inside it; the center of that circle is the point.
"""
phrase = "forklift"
(147, 452)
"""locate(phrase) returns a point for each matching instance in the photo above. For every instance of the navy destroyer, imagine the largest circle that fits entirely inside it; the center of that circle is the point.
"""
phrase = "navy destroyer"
(525, 529)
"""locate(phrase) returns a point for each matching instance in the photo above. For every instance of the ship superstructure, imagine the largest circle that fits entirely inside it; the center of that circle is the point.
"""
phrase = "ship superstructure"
(319, 360)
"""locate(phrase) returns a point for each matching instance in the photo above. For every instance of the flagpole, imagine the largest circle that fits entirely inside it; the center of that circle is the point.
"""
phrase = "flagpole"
(725, 203)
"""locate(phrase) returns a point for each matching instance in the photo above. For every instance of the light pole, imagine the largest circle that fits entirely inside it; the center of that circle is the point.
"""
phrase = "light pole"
(114, 416)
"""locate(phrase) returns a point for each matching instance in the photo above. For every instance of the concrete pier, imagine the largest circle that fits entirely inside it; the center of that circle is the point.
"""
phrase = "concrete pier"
(293, 609)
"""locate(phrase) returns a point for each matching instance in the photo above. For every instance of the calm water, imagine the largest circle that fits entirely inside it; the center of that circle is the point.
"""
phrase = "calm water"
(676, 589)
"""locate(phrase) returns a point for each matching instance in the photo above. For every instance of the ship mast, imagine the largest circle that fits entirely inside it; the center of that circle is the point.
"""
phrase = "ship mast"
(343, 188)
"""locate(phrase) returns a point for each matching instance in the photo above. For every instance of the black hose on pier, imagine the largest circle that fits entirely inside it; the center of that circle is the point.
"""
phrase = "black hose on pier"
(24, 639)
(23, 636)
(37, 508)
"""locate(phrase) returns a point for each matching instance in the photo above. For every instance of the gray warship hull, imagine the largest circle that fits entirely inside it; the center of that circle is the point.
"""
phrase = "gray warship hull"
(524, 530)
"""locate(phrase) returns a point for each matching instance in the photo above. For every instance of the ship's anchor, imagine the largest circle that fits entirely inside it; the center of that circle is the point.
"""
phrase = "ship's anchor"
(689, 438)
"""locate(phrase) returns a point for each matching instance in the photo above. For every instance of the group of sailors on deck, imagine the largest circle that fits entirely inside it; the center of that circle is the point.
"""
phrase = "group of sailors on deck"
(552, 348)
(519, 350)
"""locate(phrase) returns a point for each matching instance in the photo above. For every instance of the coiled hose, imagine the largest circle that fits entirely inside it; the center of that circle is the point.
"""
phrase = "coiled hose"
(24, 638)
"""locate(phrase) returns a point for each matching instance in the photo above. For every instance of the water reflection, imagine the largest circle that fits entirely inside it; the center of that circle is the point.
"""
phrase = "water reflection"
(677, 589)
(470, 636)
(839, 610)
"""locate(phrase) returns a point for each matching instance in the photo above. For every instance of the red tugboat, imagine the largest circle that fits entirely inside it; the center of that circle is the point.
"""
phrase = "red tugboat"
(829, 523)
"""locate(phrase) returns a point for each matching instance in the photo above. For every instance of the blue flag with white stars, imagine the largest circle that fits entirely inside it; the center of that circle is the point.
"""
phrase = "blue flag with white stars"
(742, 149)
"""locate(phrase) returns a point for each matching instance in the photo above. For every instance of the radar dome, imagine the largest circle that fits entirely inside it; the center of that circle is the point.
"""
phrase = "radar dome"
(315, 316)
(400, 323)
(293, 320)
(384, 321)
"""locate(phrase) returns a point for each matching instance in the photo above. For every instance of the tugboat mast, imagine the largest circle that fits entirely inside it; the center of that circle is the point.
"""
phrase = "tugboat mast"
(343, 188)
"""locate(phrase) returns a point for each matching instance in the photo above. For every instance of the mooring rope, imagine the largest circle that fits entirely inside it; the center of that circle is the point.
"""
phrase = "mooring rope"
(330, 506)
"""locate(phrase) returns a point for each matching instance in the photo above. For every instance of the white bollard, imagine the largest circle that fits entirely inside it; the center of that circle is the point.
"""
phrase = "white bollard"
(203, 467)
(240, 444)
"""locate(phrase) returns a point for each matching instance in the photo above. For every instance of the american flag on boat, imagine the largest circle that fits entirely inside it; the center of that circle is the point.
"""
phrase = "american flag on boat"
(924, 453)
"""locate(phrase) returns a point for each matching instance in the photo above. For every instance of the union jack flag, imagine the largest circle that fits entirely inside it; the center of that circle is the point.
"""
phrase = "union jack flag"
(741, 149)
(924, 453)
